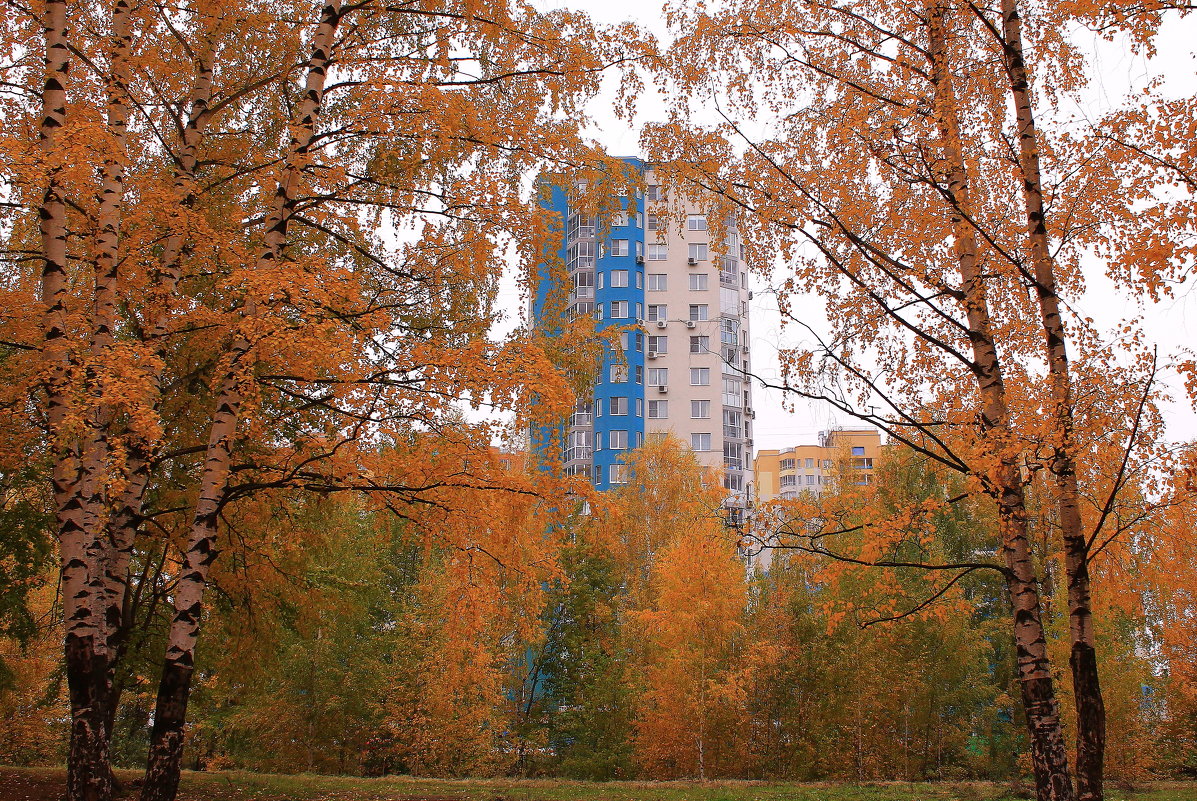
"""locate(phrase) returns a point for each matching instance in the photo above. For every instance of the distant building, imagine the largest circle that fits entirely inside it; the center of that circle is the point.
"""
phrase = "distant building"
(657, 267)
(843, 454)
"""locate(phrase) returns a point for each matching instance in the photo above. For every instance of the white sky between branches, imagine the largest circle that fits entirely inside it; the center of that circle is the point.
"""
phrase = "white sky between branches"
(1171, 324)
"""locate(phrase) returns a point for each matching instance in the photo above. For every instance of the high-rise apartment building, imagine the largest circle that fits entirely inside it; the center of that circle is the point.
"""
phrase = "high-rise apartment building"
(654, 268)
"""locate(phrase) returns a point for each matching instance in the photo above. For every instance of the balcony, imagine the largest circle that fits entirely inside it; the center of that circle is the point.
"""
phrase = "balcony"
(578, 453)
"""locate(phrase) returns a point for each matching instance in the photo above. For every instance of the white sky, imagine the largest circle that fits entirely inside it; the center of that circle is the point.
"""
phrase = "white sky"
(1170, 324)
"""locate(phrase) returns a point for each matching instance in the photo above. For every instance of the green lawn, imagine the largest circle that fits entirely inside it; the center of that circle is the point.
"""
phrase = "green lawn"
(239, 786)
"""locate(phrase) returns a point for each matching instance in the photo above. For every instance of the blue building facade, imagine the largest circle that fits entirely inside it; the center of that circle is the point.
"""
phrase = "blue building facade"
(679, 301)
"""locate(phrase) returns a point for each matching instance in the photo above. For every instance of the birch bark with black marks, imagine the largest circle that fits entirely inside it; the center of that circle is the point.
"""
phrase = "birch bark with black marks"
(166, 739)
(85, 644)
(1048, 752)
(1090, 706)
(127, 513)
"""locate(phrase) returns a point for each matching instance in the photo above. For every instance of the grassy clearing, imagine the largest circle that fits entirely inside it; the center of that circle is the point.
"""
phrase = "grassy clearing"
(241, 786)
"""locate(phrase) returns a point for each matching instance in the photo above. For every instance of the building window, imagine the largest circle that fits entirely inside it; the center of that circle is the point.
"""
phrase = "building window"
(639, 340)
(810, 464)
(698, 251)
(658, 344)
(639, 374)
(653, 192)
(698, 312)
(700, 344)
(700, 409)
(618, 440)
(619, 406)
(580, 225)
(810, 478)
(696, 222)
(619, 278)
(658, 282)
(658, 376)
(858, 450)
(700, 442)
(787, 464)
(658, 410)
(619, 474)
(598, 474)
(657, 311)
(733, 456)
(619, 309)
(700, 376)
(640, 407)
(731, 392)
(733, 481)
(731, 424)
(580, 255)
(619, 247)
(619, 373)
(652, 222)
(698, 281)
(657, 253)
(789, 481)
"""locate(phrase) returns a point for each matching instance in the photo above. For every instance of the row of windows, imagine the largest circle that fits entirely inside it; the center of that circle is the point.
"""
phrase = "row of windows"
(620, 310)
(793, 481)
(618, 440)
(657, 282)
(585, 224)
(790, 464)
(659, 343)
(659, 410)
(659, 377)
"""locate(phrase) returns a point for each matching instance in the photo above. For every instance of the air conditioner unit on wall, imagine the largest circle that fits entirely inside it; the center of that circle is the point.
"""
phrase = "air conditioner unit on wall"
(652, 354)
(690, 324)
(661, 323)
(692, 261)
(640, 260)
(662, 389)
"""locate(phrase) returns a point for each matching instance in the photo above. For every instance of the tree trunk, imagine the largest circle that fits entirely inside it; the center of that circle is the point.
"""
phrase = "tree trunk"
(1090, 708)
(1048, 753)
(84, 642)
(166, 739)
(126, 516)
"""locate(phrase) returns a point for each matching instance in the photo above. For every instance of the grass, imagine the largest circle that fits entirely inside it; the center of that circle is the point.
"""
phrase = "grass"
(244, 786)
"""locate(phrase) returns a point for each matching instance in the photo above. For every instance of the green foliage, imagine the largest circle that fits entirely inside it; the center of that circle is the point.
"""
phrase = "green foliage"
(25, 551)
(587, 700)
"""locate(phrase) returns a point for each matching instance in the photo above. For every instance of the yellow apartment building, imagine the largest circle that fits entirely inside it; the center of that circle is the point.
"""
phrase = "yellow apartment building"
(788, 472)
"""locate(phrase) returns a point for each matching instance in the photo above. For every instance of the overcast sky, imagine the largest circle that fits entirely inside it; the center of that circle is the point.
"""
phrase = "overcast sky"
(1172, 324)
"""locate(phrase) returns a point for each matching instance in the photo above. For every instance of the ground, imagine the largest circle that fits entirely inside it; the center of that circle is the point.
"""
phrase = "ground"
(46, 784)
